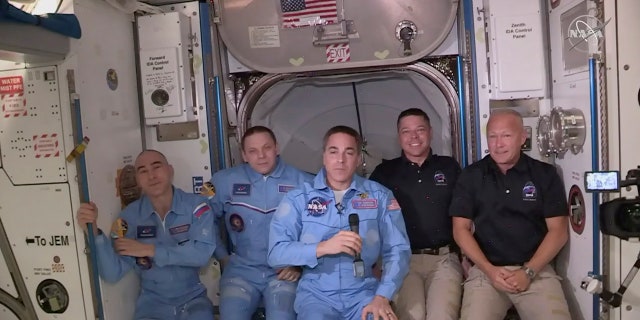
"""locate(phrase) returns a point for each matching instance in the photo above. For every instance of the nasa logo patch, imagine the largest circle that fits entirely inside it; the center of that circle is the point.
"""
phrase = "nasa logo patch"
(317, 206)
(529, 192)
(440, 179)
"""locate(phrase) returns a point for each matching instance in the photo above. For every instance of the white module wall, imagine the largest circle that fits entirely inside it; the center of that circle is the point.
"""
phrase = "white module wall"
(571, 90)
(627, 71)
(41, 233)
(165, 68)
(43, 240)
(106, 84)
(190, 155)
(516, 49)
(100, 72)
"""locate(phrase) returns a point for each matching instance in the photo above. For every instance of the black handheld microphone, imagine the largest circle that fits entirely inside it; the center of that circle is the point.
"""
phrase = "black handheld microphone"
(358, 264)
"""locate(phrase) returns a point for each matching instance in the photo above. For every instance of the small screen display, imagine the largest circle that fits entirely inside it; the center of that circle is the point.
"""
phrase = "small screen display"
(602, 181)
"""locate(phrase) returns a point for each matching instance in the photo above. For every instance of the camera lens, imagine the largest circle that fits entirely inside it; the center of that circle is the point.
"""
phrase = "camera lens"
(628, 217)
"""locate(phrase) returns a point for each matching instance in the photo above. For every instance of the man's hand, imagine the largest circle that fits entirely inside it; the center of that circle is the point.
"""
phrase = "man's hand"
(88, 213)
(519, 280)
(289, 274)
(342, 242)
(133, 248)
(380, 308)
(498, 276)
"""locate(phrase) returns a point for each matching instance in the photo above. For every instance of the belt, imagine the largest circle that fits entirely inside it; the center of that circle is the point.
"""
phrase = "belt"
(436, 252)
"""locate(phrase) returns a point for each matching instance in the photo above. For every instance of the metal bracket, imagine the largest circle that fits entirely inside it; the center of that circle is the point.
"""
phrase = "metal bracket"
(337, 33)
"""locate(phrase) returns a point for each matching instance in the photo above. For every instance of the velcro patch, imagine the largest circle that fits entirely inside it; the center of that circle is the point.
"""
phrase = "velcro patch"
(241, 189)
(179, 229)
(284, 188)
(364, 203)
(201, 209)
(394, 205)
(146, 232)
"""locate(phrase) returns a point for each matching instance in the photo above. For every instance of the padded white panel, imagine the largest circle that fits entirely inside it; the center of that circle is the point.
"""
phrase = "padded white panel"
(6, 283)
(5, 314)
(30, 126)
(43, 240)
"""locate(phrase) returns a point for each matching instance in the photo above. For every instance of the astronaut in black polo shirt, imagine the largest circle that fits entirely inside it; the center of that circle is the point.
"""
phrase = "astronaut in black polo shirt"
(518, 209)
(423, 182)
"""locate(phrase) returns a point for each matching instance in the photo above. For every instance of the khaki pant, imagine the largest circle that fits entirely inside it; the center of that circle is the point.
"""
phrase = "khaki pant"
(543, 300)
(432, 290)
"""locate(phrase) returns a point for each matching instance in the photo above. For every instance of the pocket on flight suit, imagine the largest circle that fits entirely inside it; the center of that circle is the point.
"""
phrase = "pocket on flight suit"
(180, 233)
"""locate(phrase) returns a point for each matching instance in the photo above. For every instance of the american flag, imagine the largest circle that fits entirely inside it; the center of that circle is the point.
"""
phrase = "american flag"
(302, 13)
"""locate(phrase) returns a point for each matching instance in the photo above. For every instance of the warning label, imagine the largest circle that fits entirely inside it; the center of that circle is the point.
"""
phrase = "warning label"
(46, 145)
(42, 271)
(338, 53)
(264, 37)
(160, 82)
(12, 97)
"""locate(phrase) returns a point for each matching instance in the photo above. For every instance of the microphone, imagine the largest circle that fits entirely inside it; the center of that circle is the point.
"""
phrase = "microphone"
(358, 264)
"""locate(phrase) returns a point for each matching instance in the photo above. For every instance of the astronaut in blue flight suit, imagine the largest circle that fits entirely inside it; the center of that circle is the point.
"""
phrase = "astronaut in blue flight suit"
(246, 197)
(311, 229)
(169, 236)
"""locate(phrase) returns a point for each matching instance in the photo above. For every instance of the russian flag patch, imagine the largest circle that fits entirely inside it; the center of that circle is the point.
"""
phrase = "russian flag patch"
(201, 209)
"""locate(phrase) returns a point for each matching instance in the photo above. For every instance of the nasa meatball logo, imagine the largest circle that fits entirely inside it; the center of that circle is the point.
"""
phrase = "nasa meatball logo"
(440, 179)
(317, 206)
(236, 222)
(585, 33)
(529, 192)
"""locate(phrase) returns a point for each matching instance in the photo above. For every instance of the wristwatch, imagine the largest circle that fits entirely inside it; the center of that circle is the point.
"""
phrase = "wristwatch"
(529, 272)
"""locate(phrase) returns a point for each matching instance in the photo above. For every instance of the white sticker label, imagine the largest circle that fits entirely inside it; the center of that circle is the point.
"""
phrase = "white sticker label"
(264, 37)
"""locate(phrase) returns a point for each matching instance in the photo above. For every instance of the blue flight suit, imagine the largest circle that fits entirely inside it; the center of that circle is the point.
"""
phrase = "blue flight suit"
(246, 200)
(184, 241)
(328, 288)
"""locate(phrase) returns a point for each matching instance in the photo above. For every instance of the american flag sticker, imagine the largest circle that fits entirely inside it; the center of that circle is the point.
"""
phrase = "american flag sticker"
(393, 205)
(338, 53)
(304, 13)
(200, 210)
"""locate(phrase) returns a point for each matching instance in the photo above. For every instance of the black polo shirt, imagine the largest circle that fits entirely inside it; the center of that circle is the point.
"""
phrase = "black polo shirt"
(424, 193)
(509, 211)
